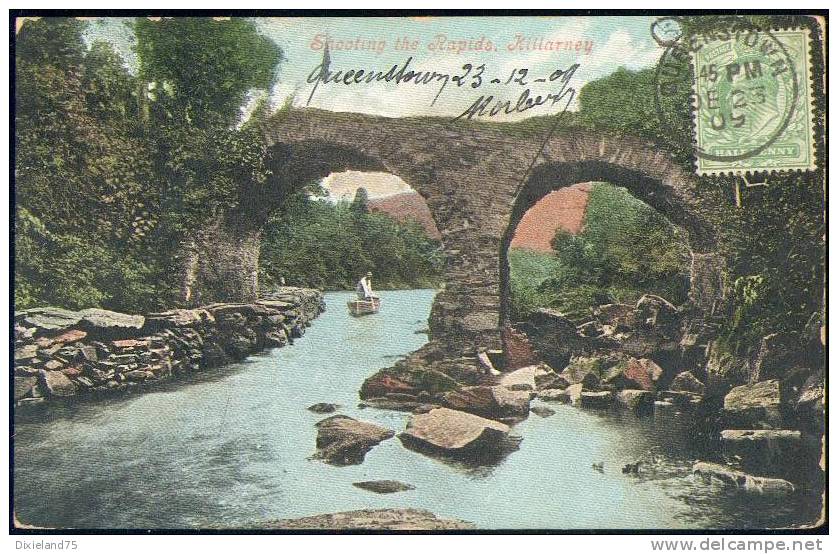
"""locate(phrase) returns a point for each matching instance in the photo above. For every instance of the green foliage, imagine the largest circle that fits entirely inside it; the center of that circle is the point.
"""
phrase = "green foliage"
(625, 249)
(112, 170)
(320, 244)
(202, 69)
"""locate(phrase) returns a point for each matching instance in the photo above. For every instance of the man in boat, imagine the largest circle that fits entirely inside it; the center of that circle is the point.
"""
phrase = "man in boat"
(364, 287)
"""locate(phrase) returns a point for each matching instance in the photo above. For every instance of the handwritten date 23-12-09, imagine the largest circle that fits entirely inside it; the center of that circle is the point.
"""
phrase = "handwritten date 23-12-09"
(470, 75)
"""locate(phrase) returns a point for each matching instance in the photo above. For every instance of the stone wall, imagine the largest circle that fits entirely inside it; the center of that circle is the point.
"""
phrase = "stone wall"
(61, 353)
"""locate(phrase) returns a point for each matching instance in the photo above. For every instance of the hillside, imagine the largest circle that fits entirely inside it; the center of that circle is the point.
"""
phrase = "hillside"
(563, 209)
(407, 206)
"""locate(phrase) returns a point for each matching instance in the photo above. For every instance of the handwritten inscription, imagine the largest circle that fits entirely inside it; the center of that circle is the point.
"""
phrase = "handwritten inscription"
(469, 75)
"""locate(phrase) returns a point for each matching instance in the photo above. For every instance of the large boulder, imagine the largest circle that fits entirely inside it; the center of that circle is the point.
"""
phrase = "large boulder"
(524, 376)
(602, 399)
(554, 395)
(584, 369)
(634, 373)
(555, 337)
(687, 382)
(55, 383)
(550, 380)
(492, 402)
(636, 400)
(452, 431)
(406, 381)
(754, 405)
(777, 353)
(342, 440)
(767, 451)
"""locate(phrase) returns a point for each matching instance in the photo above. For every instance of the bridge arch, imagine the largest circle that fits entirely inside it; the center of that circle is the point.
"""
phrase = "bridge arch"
(477, 180)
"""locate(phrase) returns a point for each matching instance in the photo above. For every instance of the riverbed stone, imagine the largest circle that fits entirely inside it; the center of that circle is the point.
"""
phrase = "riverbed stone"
(342, 440)
(637, 400)
(492, 402)
(584, 369)
(384, 486)
(741, 480)
(523, 376)
(323, 408)
(452, 431)
(601, 399)
(634, 373)
(543, 411)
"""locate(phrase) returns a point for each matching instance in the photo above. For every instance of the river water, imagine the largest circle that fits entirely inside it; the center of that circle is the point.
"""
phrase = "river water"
(230, 447)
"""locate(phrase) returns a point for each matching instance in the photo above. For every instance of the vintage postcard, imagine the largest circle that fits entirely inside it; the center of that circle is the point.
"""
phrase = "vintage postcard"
(294, 272)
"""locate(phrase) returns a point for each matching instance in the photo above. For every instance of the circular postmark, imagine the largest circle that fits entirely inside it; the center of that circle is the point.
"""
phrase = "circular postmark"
(741, 83)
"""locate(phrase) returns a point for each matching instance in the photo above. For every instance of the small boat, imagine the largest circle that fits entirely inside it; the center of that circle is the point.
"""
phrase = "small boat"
(364, 307)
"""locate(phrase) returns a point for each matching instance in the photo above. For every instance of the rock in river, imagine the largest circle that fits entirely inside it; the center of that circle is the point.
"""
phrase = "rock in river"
(492, 402)
(401, 519)
(342, 440)
(543, 411)
(323, 408)
(384, 486)
(636, 400)
(739, 479)
(452, 431)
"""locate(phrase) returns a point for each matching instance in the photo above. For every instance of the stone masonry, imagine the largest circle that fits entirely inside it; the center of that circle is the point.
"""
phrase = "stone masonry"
(60, 353)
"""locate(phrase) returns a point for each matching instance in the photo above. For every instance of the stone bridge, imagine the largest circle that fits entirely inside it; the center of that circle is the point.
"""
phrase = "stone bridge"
(478, 181)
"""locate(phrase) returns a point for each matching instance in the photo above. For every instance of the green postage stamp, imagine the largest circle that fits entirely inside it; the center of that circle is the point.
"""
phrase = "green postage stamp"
(753, 103)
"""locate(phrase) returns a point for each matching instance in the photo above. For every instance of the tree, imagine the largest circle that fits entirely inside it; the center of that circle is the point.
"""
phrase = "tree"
(360, 204)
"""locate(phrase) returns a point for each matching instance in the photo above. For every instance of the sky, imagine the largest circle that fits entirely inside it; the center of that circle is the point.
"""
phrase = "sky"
(503, 45)
(540, 44)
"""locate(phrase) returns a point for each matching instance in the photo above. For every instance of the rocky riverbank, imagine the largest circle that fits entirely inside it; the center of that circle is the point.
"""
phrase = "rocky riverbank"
(763, 413)
(61, 354)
